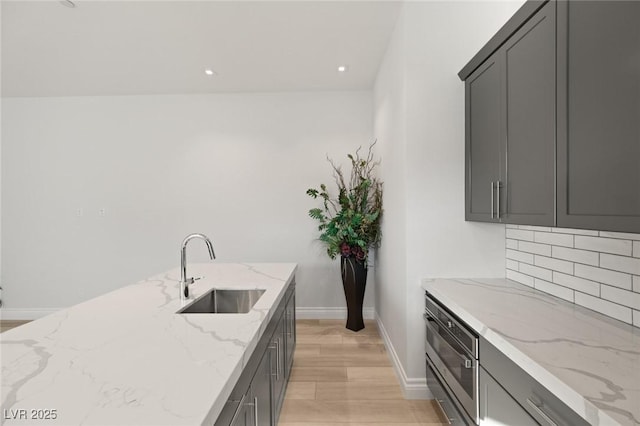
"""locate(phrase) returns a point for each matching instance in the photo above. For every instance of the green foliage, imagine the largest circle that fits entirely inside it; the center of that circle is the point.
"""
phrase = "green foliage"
(349, 223)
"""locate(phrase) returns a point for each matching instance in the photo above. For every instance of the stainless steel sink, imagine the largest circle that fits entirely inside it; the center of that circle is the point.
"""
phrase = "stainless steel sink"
(223, 302)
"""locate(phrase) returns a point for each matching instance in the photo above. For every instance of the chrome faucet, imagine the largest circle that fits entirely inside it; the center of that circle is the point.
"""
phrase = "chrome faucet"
(184, 281)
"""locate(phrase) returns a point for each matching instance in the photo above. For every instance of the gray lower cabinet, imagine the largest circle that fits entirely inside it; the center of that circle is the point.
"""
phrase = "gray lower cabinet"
(599, 115)
(259, 393)
(278, 374)
(510, 128)
(510, 396)
(290, 332)
(497, 407)
(261, 397)
(243, 416)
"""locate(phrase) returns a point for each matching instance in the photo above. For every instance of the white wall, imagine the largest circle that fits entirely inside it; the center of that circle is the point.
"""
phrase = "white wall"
(1, 297)
(431, 43)
(390, 130)
(232, 166)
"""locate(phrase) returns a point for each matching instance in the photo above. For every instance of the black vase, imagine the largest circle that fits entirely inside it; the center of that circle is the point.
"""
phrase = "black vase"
(354, 280)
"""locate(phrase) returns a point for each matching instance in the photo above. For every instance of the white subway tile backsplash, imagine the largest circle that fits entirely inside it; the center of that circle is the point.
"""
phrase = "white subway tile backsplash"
(554, 289)
(535, 248)
(605, 245)
(605, 307)
(620, 235)
(519, 234)
(519, 256)
(595, 269)
(535, 271)
(576, 283)
(575, 255)
(518, 277)
(606, 276)
(575, 231)
(620, 263)
(621, 297)
(512, 244)
(555, 264)
(511, 264)
(565, 240)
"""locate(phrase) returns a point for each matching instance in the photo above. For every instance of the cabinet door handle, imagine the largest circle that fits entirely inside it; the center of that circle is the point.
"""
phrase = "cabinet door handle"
(292, 322)
(491, 199)
(498, 197)
(255, 410)
(235, 415)
(289, 322)
(276, 347)
(538, 409)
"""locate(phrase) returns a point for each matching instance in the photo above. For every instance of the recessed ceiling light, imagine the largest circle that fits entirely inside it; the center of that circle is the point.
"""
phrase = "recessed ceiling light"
(68, 3)
(209, 71)
(343, 68)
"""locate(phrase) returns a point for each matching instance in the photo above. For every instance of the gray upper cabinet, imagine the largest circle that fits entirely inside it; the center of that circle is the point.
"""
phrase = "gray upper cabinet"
(599, 115)
(559, 87)
(483, 140)
(530, 85)
(510, 128)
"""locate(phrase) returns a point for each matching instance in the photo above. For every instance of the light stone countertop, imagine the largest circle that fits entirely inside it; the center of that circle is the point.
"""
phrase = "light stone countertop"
(589, 361)
(126, 358)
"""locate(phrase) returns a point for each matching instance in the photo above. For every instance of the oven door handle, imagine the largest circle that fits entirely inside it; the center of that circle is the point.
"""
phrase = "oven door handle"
(429, 317)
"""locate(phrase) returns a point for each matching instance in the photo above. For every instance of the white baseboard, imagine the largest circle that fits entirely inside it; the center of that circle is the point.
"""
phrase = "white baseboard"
(25, 314)
(330, 313)
(412, 387)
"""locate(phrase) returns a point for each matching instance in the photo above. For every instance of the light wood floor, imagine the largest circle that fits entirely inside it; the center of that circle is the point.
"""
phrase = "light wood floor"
(9, 324)
(344, 378)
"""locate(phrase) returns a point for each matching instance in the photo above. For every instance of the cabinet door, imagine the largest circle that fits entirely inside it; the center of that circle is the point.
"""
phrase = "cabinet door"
(528, 187)
(484, 136)
(244, 415)
(497, 407)
(599, 115)
(261, 393)
(278, 377)
(290, 335)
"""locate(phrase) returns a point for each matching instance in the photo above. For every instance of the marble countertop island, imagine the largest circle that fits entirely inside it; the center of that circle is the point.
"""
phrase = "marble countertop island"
(589, 361)
(127, 358)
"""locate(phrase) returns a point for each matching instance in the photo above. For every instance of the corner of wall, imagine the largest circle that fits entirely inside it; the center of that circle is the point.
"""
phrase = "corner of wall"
(412, 388)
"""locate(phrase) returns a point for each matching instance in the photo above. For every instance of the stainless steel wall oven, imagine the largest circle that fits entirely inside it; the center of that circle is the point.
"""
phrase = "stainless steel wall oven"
(452, 364)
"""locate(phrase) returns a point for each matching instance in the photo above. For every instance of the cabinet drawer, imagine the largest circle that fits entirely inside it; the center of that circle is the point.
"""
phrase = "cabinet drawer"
(538, 402)
(498, 407)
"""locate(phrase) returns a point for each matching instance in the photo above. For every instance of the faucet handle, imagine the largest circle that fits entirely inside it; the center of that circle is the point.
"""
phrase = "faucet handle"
(197, 278)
